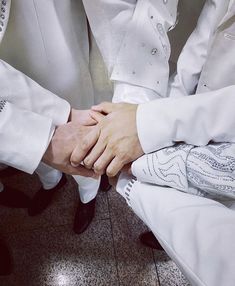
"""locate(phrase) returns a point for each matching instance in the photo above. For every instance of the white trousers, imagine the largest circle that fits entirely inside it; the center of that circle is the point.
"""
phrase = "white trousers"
(197, 233)
(87, 187)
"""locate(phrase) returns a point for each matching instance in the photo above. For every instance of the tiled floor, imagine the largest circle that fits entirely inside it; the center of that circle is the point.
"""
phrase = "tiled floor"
(47, 252)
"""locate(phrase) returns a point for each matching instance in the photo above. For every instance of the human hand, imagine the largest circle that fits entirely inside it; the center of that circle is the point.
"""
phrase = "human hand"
(63, 142)
(114, 138)
(82, 117)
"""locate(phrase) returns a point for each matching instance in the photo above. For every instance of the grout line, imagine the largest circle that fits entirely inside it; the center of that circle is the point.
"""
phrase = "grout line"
(158, 278)
(114, 248)
(44, 228)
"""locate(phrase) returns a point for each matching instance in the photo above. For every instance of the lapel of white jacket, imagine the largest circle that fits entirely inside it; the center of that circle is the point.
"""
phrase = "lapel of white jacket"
(4, 16)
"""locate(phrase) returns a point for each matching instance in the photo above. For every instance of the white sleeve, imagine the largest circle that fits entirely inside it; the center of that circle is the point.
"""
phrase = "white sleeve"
(25, 136)
(195, 120)
(206, 171)
(132, 37)
(17, 88)
(143, 56)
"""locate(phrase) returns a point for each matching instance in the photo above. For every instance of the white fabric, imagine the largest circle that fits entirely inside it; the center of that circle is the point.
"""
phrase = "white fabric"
(110, 24)
(205, 117)
(197, 233)
(53, 49)
(206, 171)
(20, 129)
(123, 26)
(213, 102)
(48, 176)
(44, 110)
(87, 187)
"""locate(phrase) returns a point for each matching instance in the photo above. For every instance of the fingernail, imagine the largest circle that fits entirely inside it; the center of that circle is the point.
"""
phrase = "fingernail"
(74, 165)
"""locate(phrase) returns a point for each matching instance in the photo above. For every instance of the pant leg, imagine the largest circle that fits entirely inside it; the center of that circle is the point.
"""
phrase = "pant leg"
(87, 188)
(197, 233)
(48, 176)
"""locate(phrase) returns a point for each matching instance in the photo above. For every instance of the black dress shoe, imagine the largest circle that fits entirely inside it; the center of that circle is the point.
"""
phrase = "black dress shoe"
(13, 198)
(43, 198)
(148, 239)
(104, 183)
(84, 215)
(5, 259)
(8, 172)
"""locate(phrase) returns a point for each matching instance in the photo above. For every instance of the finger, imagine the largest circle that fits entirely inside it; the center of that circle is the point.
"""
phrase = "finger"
(94, 154)
(105, 107)
(90, 122)
(114, 167)
(82, 171)
(103, 161)
(96, 116)
(81, 150)
(127, 169)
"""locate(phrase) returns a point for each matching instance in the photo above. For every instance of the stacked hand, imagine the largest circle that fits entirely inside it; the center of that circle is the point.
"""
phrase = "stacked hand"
(112, 143)
(105, 139)
(64, 141)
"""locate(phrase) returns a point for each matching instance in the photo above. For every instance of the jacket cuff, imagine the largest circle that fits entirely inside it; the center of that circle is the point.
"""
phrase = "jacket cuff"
(63, 109)
(25, 137)
(155, 137)
(125, 92)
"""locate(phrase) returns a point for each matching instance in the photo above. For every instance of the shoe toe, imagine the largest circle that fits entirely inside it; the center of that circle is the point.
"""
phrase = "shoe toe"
(84, 216)
(148, 239)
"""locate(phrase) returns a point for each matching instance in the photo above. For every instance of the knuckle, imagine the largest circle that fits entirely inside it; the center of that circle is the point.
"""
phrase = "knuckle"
(97, 167)
(121, 157)
(84, 144)
(110, 173)
(87, 162)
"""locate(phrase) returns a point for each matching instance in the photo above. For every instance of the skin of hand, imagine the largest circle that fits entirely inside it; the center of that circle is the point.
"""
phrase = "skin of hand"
(65, 138)
(113, 181)
(113, 142)
(81, 117)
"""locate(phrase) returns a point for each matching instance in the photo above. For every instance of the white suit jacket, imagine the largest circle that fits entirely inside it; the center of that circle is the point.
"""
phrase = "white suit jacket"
(46, 43)
(28, 112)
(197, 233)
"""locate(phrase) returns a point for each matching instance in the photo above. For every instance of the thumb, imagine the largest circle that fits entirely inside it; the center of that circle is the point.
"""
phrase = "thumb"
(105, 107)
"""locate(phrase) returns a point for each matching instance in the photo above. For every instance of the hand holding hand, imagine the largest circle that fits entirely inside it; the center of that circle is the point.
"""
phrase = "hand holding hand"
(114, 138)
(63, 142)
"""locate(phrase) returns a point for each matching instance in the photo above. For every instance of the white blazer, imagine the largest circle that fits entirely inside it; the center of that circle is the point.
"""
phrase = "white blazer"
(28, 112)
(197, 233)
(46, 43)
